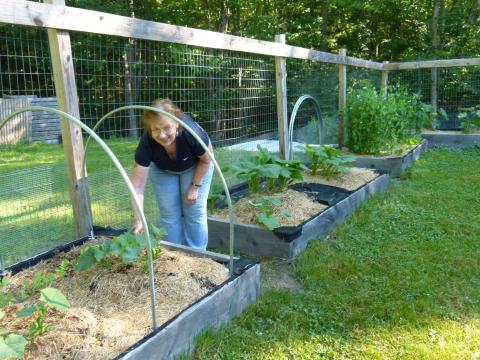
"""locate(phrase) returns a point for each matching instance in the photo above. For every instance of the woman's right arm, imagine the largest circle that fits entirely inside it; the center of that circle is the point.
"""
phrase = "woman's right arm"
(139, 180)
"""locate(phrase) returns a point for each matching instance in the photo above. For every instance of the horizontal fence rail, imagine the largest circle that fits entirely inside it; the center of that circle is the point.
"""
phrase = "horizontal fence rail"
(75, 19)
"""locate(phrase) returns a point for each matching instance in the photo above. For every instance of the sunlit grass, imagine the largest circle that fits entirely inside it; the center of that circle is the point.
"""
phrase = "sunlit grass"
(398, 280)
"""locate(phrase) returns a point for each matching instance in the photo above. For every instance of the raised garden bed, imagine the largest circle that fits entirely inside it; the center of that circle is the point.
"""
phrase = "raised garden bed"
(289, 241)
(392, 164)
(110, 313)
(451, 139)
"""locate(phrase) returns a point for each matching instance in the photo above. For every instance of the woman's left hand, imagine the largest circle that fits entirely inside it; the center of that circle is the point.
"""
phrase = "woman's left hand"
(192, 195)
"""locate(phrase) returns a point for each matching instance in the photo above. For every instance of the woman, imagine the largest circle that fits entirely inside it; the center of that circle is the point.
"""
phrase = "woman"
(180, 171)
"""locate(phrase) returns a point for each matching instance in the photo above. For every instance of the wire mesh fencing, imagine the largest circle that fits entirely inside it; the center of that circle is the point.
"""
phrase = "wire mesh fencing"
(36, 213)
(320, 81)
(232, 95)
(452, 89)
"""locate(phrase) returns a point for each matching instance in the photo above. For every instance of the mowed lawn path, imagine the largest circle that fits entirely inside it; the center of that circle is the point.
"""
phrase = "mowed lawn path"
(400, 279)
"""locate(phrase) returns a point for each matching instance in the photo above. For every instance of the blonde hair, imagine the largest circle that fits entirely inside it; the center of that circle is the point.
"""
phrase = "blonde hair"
(150, 116)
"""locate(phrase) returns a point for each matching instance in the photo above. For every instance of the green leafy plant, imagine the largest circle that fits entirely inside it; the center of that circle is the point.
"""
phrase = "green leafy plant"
(470, 118)
(213, 198)
(40, 280)
(266, 207)
(377, 124)
(12, 346)
(127, 247)
(328, 161)
(49, 297)
(65, 267)
(263, 165)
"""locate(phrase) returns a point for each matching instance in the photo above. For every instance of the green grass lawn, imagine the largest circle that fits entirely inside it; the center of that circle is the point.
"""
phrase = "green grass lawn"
(400, 279)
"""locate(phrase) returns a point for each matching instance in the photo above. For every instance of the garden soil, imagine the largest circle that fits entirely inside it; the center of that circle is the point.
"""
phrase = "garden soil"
(298, 205)
(110, 307)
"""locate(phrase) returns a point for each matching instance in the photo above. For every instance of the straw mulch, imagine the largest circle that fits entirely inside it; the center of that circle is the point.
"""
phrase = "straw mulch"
(111, 306)
(353, 179)
(298, 205)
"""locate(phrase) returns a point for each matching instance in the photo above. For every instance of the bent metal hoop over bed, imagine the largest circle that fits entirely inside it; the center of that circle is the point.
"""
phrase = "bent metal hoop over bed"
(200, 141)
(125, 177)
(293, 117)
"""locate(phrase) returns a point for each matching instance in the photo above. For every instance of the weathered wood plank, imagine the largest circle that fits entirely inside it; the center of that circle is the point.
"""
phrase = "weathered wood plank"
(431, 64)
(74, 19)
(66, 89)
(282, 111)
(342, 98)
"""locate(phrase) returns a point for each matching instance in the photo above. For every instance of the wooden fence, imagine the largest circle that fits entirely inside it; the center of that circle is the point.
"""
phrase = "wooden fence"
(29, 126)
(59, 19)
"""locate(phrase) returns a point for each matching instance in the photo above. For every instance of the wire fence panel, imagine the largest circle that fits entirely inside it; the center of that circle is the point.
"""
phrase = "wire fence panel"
(36, 213)
(358, 76)
(231, 95)
(320, 81)
(456, 88)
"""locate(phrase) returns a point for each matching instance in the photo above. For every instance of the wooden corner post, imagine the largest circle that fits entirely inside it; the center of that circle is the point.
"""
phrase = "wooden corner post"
(384, 81)
(282, 112)
(342, 97)
(66, 90)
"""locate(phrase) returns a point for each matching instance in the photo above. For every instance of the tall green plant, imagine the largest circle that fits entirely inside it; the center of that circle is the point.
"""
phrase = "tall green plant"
(470, 118)
(328, 161)
(377, 124)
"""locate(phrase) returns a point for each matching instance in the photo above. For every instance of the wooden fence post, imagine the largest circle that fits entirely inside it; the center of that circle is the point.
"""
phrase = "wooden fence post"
(434, 95)
(342, 98)
(282, 111)
(384, 81)
(66, 90)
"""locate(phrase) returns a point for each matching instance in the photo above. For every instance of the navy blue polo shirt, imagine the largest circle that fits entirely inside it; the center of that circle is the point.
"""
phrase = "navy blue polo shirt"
(188, 149)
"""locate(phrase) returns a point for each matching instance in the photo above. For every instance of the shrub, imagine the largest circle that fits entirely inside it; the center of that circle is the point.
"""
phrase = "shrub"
(377, 124)
(470, 118)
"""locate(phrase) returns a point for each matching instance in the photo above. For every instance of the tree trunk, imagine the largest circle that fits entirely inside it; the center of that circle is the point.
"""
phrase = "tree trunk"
(129, 81)
(323, 45)
(208, 15)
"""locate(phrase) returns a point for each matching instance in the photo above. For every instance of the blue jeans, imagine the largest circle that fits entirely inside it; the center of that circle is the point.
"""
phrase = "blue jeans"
(185, 224)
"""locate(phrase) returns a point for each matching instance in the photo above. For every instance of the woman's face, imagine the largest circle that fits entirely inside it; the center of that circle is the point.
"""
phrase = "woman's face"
(164, 130)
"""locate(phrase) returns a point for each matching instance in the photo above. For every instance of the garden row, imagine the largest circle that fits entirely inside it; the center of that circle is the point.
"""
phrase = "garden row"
(94, 298)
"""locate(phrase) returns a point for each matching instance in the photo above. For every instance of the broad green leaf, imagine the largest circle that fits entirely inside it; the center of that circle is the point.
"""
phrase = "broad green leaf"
(86, 261)
(131, 255)
(271, 222)
(159, 233)
(5, 299)
(26, 311)
(54, 298)
(13, 346)
(99, 254)
(115, 248)
(3, 331)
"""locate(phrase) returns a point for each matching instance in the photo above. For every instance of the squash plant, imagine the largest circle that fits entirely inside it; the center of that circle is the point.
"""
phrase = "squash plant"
(266, 216)
(263, 165)
(128, 247)
(12, 345)
(328, 161)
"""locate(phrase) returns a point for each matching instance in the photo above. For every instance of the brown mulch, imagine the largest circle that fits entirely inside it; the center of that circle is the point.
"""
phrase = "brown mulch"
(110, 307)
